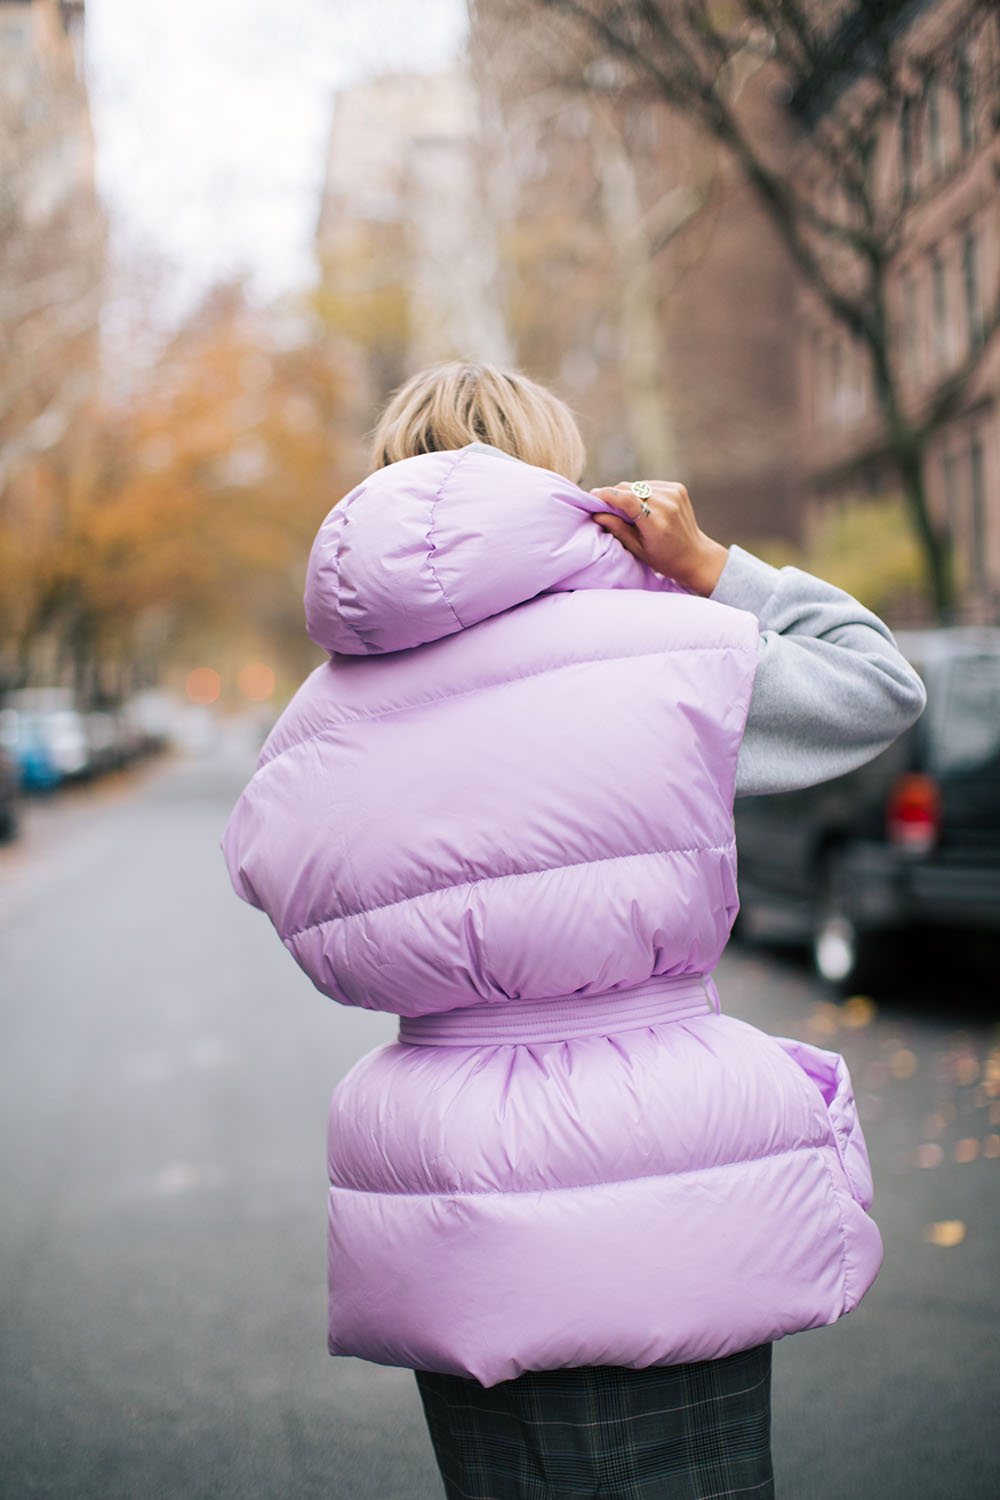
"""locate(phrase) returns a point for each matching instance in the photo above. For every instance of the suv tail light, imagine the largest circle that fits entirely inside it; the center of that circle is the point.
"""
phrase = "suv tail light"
(913, 814)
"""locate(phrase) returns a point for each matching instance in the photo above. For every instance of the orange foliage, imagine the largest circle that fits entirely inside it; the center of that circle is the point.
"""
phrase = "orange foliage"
(187, 509)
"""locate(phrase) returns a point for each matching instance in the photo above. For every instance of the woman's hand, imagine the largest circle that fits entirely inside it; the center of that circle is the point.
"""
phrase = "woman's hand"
(668, 539)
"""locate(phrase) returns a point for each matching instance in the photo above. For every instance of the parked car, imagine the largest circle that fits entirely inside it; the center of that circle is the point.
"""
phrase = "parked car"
(46, 736)
(9, 786)
(909, 842)
(24, 745)
(150, 721)
(104, 733)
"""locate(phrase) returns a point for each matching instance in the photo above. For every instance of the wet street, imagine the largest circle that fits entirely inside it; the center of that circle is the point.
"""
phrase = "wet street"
(166, 1070)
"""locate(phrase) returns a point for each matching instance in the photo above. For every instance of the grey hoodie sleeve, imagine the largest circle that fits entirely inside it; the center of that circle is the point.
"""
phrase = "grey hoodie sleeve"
(831, 689)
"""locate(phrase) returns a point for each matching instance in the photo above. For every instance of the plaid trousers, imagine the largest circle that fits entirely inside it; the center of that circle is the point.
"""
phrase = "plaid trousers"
(672, 1432)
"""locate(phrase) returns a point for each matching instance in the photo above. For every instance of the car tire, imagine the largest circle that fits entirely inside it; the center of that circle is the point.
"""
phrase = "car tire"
(844, 954)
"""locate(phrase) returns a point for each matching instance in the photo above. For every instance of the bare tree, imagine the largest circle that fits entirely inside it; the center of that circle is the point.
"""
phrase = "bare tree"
(596, 230)
(854, 83)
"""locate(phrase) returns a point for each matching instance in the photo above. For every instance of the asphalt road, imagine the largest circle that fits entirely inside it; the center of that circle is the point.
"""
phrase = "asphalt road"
(165, 1075)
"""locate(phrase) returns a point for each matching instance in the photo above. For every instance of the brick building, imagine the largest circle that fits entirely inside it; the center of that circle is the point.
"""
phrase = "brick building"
(561, 217)
(640, 276)
(937, 175)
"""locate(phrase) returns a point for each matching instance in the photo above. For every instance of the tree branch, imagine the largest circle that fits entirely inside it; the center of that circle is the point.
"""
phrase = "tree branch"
(948, 395)
(696, 95)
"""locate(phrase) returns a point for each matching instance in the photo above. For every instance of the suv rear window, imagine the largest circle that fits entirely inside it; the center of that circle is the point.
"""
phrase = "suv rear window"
(965, 726)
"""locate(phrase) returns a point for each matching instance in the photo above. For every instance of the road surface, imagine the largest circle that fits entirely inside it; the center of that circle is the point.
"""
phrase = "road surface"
(165, 1076)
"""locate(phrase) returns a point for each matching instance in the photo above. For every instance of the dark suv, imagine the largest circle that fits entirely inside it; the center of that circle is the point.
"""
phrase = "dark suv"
(912, 840)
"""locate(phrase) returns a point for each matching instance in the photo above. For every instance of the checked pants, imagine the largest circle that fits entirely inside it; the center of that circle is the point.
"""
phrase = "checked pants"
(673, 1432)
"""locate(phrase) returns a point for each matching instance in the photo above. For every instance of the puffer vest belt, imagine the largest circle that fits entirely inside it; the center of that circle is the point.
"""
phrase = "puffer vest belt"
(512, 1023)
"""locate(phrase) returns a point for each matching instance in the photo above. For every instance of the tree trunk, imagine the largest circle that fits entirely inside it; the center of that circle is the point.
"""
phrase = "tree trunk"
(935, 544)
(909, 450)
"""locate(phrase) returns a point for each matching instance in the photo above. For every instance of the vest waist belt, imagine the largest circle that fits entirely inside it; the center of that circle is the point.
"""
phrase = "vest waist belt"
(522, 1022)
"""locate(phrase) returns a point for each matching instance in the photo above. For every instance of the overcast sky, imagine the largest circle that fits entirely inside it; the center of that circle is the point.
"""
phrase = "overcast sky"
(211, 118)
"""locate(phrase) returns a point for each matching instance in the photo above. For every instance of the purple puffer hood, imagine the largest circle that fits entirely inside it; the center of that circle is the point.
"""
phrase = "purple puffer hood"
(442, 541)
(442, 815)
(503, 811)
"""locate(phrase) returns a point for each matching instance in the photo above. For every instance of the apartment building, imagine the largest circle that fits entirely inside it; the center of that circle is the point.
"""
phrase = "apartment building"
(52, 229)
(406, 253)
(937, 201)
(640, 276)
(46, 141)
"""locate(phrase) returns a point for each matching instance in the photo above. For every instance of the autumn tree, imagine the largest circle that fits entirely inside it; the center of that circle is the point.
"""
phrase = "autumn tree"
(857, 91)
(185, 509)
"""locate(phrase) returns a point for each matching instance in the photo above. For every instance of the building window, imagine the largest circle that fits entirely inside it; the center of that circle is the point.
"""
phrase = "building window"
(950, 494)
(939, 292)
(817, 376)
(911, 332)
(935, 140)
(970, 281)
(963, 97)
(864, 394)
(977, 496)
(837, 378)
(906, 144)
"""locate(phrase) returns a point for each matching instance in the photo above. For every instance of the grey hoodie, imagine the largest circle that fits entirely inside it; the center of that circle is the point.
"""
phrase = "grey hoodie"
(831, 689)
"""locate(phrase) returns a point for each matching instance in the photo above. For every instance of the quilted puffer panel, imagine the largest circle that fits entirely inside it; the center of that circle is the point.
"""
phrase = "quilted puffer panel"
(635, 1103)
(427, 839)
(652, 1270)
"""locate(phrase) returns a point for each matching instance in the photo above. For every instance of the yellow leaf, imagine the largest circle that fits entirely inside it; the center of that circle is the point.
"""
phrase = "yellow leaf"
(946, 1233)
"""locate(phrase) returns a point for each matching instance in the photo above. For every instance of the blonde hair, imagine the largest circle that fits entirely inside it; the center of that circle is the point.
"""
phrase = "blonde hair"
(450, 405)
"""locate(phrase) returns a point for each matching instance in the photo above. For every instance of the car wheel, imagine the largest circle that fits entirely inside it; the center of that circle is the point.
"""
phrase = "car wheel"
(843, 953)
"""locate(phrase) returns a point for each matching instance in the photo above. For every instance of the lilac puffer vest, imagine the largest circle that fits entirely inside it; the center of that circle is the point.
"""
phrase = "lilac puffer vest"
(503, 811)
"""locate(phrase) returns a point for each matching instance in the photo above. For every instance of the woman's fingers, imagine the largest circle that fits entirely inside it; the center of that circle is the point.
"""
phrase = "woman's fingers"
(621, 495)
(662, 532)
(622, 530)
